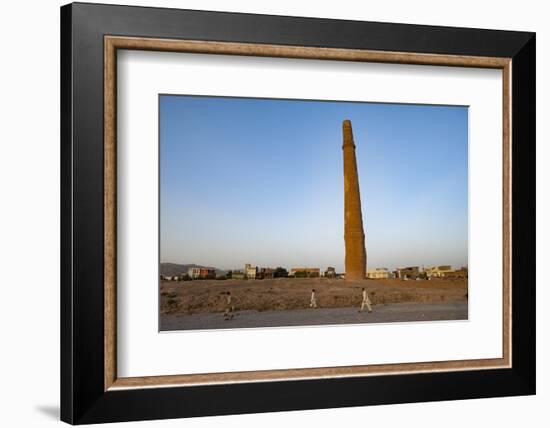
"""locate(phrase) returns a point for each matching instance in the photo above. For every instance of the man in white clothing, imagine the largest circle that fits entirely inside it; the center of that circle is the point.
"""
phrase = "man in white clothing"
(313, 301)
(366, 301)
(229, 308)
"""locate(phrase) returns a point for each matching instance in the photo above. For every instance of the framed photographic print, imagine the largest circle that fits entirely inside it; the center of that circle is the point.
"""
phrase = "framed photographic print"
(265, 213)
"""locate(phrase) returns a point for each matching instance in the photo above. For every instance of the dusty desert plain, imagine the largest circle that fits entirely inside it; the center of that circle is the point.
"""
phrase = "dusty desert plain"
(285, 301)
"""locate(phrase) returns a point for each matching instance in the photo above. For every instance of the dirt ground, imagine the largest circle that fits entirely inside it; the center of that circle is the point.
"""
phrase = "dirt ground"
(204, 296)
(393, 312)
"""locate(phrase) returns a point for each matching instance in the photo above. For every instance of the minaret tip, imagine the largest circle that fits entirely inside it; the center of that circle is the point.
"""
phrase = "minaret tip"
(348, 133)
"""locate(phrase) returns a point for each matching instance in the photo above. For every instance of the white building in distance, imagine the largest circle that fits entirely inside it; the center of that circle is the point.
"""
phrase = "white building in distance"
(378, 273)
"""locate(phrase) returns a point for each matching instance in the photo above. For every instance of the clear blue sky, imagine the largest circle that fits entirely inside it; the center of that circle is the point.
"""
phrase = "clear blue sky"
(261, 181)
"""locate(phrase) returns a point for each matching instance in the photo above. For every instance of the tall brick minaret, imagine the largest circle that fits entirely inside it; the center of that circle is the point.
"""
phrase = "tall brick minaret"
(354, 237)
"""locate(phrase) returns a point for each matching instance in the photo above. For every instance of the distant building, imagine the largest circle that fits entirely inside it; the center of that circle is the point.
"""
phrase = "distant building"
(238, 275)
(305, 272)
(194, 272)
(250, 271)
(208, 273)
(330, 272)
(265, 273)
(461, 273)
(201, 273)
(438, 271)
(446, 271)
(410, 272)
(378, 273)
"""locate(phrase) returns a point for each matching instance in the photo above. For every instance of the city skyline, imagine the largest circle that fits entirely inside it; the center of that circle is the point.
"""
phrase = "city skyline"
(260, 181)
(321, 268)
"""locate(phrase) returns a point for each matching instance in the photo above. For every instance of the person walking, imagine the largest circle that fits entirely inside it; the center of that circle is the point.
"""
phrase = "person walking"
(366, 301)
(313, 300)
(229, 308)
